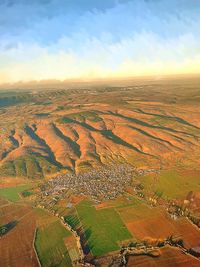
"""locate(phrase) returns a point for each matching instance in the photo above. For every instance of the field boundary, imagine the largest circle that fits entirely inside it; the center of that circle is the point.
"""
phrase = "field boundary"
(34, 248)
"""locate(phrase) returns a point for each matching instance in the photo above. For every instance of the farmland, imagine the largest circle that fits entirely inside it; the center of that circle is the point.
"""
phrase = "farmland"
(172, 183)
(16, 246)
(25, 226)
(12, 193)
(103, 232)
(103, 229)
(154, 224)
(170, 257)
(50, 245)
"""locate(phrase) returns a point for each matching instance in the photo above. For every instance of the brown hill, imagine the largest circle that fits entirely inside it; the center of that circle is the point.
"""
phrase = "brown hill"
(149, 125)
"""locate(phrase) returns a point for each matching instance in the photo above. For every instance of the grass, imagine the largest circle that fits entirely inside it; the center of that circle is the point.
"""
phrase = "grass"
(123, 201)
(81, 117)
(7, 169)
(136, 212)
(30, 166)
(12, 193)
(50, 245)
(171, 183)
(20, 167)
(90, 115)
(103, 229)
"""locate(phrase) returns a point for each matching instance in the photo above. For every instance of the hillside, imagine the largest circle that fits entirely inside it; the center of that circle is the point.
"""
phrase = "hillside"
(145, 125)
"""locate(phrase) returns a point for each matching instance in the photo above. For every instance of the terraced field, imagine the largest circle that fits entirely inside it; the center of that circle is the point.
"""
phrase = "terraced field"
(145, 125)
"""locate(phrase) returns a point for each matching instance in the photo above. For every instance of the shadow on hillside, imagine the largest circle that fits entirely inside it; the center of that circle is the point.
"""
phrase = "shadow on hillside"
(106, 133)
(179, 120)
(143, 123)
(68, 140)
(41, 142)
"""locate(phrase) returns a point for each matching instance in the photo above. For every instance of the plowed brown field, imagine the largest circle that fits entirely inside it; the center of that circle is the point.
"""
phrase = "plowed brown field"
(16, 247)
(170, 257)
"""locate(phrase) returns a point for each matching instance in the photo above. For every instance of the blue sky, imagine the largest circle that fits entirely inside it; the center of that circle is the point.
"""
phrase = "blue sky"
(57, 39)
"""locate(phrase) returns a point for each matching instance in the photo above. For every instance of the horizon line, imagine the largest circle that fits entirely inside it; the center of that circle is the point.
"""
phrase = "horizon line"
(100, 79)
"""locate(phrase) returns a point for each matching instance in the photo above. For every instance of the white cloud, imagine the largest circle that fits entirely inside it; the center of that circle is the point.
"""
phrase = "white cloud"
(133, 38)
(142, 54)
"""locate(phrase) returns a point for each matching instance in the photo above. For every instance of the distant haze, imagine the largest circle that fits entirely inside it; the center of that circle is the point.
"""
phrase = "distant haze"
(95, 83)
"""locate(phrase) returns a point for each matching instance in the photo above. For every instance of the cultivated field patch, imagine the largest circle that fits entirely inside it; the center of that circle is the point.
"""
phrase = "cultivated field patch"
(170, 257)
(120, 202)
(103, 228)
(12, 193)
(171, 183)
(50, 244)
(144, 222)
(16, 246)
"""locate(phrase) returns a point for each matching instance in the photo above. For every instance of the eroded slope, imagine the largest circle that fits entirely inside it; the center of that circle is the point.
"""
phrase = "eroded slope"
(78, 129)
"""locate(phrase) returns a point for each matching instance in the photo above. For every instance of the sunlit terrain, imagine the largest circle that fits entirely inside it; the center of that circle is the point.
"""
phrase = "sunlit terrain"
(101, 175)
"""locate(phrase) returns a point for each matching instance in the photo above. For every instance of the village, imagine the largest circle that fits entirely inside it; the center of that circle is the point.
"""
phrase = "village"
(100, 184)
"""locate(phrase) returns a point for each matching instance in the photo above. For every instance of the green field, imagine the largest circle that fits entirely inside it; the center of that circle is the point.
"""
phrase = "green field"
(103, 228)
(50, 245)
(171, 183)
(12, 193)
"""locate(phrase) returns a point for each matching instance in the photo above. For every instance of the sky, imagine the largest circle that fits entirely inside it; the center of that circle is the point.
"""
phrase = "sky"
(88, 39)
